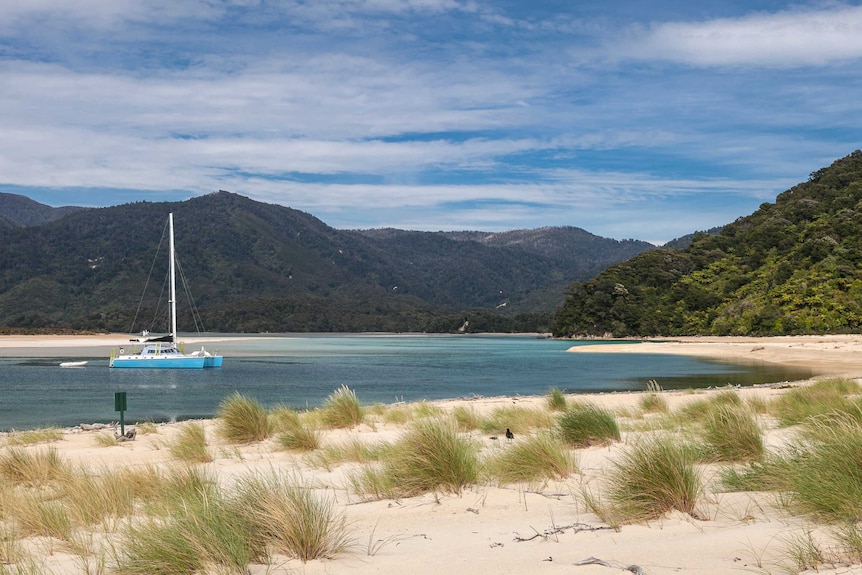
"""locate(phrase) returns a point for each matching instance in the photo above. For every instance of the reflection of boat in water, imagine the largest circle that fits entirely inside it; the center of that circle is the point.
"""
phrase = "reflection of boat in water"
(73, 364)
(163, 352)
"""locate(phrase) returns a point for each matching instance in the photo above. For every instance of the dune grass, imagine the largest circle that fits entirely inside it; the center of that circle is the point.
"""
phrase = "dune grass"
(556, 400)
(352, 450)
(299, 438)
(190, 444)
(654, 476)
(585, 424)
(286, 515)
(819, 398)
(731, 432)
(653, 403)
(25, 467)
(242, 420)
(538, 457)
(466, 418)
(94, 497)
(430, 456)
(34, 436)
(342, 409)
(518, 419)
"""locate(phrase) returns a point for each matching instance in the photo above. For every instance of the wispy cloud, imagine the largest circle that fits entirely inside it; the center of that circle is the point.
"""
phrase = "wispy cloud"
(430, 114)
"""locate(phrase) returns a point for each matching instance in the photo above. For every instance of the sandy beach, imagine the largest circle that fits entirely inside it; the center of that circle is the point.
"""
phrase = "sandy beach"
(541, 527)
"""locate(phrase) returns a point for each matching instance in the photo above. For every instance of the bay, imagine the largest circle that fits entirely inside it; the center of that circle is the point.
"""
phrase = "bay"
(301, 371)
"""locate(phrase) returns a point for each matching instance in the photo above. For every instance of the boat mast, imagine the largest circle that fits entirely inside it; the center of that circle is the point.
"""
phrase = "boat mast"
(173, 280)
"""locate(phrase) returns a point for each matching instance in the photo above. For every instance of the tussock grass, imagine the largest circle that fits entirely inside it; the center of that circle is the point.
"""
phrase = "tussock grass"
(732, 433)
(536, 458)
(35, 515)
(466, 418)
(653, 403)
(23, 466)
(242, 420)
(147, 428)
(556, 400)
(283, 418)
(430, 456)
(653, 477)
(518, 419)
(820, 398)
(11, 550)
(585, 424)
(397, 414)
(196, 535)
(190, 444)
(287, 516)
(34, 436)
(342, 409)
(352, 450)
(92, 498)
(105, 440)
(299, 438)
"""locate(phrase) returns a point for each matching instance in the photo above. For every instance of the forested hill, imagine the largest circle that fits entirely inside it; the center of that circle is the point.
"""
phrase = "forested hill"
(255, 267)
(792, 267)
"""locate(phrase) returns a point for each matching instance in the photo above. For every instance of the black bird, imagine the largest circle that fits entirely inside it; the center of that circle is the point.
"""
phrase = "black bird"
(509, 434)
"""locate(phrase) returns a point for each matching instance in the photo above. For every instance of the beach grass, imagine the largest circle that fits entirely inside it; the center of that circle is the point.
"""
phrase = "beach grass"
(556, 399)
(92, 497)
(342, 409)
(242, 420)
(654, 476)
(430, 456)
(299, 438)
(585, 424)
(285, 514)
(731, 432)
(23, 466)
(352, 450)
(517, 418)
(466, 418)
(653, 403)
(34, 436)
(190, 444)
(820, 398)
(537, 457)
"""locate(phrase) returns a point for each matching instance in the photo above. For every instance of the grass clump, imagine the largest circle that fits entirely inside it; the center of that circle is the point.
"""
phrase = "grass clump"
(820, 398)
(556, 400)
(430, 456)
(732, 433)
(518, 419)
(655, 476)
(466, 418)
(24, 467)
(34, 436)
(299, 438)
(536, 458)
(351, 450)
(91, 498)
(653, 403)
(584, 424)
(287, 516)
(242, 420)
(342, 409)
(190, 444)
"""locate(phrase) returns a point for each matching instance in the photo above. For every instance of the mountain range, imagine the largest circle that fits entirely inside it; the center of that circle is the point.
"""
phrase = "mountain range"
(256, 267)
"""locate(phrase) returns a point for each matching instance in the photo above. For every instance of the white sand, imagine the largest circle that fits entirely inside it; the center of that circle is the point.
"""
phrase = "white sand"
(484, 529)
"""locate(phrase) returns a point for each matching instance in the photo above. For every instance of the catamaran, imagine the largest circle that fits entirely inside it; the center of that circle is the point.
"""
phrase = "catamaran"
(163, 351)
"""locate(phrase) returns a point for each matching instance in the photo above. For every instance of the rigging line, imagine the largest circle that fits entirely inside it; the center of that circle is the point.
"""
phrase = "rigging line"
(147, 283)
(195, 313)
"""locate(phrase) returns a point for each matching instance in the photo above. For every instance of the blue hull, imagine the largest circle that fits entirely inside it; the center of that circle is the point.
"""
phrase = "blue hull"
(165, 362)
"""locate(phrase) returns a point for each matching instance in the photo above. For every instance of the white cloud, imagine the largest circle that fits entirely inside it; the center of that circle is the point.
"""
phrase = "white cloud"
(789, 38)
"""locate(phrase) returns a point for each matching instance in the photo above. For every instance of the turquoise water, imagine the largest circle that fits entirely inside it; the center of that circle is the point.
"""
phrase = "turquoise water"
(301, 371)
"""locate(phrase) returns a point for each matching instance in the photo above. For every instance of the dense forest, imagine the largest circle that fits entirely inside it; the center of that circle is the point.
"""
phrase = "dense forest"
(792, 267)
(255, 267)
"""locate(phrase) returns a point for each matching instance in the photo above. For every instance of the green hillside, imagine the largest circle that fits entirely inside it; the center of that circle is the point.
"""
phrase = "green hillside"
(792, 267)
(255, 267)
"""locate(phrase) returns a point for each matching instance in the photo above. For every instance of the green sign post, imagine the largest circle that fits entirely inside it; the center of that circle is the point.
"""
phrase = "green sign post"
(120, 405)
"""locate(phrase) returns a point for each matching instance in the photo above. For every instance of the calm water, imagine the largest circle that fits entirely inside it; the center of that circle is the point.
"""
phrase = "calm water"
(300, 372)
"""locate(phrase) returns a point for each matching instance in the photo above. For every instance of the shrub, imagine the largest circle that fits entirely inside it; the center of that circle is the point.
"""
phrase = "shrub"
(583, 425)
(342, 409)
(653, 477)
(242, 420)
(536, 458)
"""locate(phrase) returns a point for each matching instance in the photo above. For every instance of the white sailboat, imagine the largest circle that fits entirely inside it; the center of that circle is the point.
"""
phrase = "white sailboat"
(163, 352)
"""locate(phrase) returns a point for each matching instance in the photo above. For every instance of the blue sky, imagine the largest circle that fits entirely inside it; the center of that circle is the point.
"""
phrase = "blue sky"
(630, 119)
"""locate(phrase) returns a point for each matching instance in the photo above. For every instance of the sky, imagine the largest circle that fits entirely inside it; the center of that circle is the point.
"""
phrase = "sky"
(645, 119)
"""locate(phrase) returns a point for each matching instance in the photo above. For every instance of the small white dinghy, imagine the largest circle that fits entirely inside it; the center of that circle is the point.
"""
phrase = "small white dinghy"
(73, 364)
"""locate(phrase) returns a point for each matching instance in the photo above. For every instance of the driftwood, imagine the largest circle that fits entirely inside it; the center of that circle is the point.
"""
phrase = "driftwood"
(576, 527)
(130, 435)
(595, 561)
